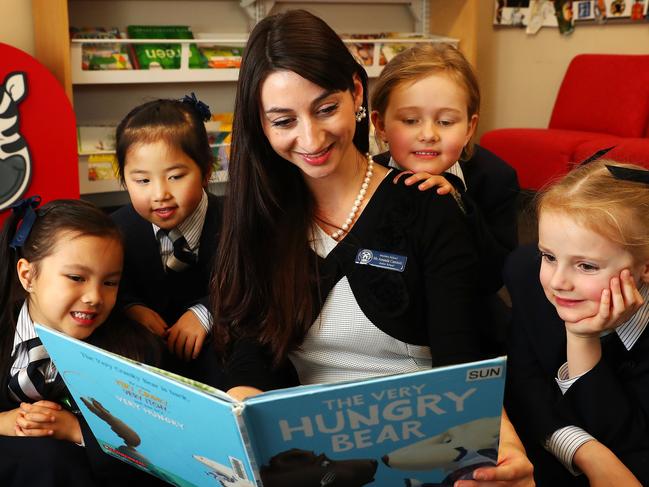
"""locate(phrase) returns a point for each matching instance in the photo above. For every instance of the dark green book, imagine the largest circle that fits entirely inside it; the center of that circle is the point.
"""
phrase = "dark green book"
(165, 56)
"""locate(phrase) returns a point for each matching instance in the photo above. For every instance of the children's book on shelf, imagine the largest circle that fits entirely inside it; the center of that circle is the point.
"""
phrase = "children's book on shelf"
(101, 56)
(220, 57)
(102, 167)
(165, 56)
(422, 428)
(95, 139)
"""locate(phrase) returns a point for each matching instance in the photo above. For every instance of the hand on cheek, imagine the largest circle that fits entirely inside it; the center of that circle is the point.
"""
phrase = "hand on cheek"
(617, 304)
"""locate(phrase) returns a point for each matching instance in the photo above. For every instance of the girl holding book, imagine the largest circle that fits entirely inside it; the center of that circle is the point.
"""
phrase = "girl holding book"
(307, 209)
(61, 266)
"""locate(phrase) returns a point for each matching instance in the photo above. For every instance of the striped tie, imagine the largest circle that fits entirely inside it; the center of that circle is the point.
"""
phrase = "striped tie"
(29, 383)
(182, 257)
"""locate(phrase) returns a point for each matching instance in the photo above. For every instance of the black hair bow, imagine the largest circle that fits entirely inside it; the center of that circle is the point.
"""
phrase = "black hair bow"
(201, 108)
(629, 174)
(595, 156)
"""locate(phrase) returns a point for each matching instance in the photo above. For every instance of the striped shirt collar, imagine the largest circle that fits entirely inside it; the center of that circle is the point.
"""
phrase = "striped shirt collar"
(630, 331)
(24, 328)
(455, 169)
(192, 227)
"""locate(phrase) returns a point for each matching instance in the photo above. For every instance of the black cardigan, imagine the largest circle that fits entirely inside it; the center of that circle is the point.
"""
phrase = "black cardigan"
(430, 303)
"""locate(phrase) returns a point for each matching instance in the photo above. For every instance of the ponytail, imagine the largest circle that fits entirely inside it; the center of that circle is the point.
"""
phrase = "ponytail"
(10, 291)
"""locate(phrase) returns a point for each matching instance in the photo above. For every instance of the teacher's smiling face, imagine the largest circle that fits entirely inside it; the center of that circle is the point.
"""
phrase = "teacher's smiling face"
(309, 126)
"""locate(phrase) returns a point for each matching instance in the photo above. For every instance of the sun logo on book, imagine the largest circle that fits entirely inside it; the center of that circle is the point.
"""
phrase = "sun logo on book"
(15, 162)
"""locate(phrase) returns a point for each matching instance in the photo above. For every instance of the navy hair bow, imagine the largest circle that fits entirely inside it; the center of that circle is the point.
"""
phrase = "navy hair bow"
(595, 156)
(629, 174)
(200, 107)
(24, 210)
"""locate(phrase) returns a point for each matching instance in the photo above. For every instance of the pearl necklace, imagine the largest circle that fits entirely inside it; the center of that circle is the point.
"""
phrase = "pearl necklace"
(357, 202)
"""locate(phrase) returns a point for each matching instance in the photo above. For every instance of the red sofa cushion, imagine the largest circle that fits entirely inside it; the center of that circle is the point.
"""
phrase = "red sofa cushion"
(627, 149)
(538, 155)
(605, 93)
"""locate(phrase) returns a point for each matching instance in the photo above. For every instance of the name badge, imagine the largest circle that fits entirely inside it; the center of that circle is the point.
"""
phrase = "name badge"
(383, 260)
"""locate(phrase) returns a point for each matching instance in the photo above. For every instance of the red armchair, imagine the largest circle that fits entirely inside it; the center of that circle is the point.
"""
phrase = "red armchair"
(603, 101)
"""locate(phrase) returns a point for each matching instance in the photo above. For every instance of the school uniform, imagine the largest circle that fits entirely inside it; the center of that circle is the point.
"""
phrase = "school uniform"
(376, 319)
(609, 403)
(148, 282)
(49, 462)
(489, 189)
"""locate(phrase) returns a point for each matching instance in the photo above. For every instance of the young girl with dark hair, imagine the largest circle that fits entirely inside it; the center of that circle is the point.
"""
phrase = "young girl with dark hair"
(172, 225)
(309, 223)
(60, 267)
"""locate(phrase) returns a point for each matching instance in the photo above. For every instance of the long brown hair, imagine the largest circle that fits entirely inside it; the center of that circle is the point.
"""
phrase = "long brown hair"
(265, 273)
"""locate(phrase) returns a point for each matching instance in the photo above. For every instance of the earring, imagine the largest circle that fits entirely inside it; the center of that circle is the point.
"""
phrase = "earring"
(361, 113)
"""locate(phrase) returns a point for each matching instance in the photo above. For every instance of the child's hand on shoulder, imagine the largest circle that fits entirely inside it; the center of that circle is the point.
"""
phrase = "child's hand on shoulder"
(185, 338)
(148, 318)
(618, 303)
(429, 181)
(47, 418)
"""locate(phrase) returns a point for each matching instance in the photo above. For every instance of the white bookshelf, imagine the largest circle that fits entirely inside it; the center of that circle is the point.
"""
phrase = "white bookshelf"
(185, 74)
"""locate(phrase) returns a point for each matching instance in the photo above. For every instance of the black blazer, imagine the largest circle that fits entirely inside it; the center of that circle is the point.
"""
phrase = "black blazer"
(145, 281)
(611, 401)
(490, 199)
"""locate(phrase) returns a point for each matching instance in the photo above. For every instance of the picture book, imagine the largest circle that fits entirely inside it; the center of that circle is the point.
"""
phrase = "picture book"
(101, 56)
(220, 57)
(423, 428)
(165, 56)
(95, 139)
(102, 167)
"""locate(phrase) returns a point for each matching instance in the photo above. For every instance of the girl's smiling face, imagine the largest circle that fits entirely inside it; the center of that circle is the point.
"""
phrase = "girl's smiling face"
(426, 123)
(73, 289)
(578, 264)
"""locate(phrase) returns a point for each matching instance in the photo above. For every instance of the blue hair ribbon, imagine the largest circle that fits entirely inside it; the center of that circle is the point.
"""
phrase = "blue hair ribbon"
(201, 108)
(24, 210)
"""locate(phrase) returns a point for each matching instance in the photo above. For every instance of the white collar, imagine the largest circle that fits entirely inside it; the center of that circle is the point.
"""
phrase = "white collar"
(630, 331)
(192, 227)
(24, 328)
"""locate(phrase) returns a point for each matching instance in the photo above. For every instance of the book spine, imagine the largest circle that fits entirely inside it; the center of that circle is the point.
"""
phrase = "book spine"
(238, 412)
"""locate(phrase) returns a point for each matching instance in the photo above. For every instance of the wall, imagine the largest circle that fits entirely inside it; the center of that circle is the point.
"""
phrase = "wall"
(16, 24)
(520, 74)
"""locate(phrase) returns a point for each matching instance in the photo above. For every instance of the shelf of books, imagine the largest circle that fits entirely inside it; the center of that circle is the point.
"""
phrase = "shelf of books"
(173, 60)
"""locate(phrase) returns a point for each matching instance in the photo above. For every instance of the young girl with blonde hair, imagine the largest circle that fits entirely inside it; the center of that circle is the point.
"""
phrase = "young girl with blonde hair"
(578, 361)
(425, 107)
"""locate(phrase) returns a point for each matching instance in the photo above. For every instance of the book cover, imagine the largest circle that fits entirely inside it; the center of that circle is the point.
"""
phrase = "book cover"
(220, 57)
(95, 139)
(423, 428)
(163, 56)
(101, 56)
(102, 167)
